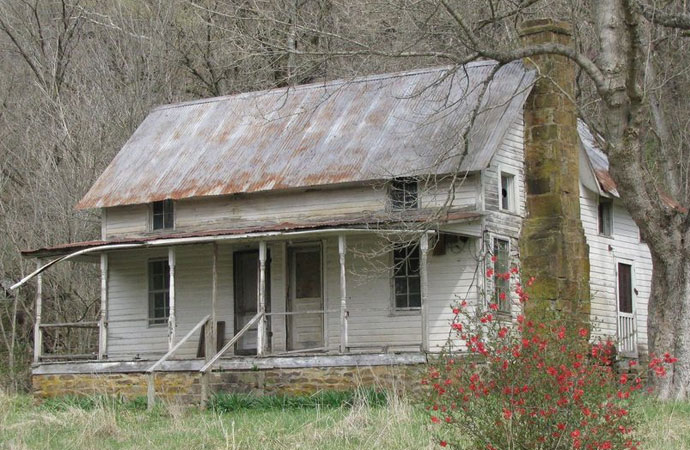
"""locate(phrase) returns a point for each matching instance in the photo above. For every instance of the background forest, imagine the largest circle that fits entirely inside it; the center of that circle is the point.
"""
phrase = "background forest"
(78, 76)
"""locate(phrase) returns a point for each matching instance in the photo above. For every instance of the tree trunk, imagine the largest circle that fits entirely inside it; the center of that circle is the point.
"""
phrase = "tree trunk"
(669, 316)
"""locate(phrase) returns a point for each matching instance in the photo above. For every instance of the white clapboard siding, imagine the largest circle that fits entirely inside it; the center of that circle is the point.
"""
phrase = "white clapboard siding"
(129, 333)
(436, 192)
(369, 299)
(222, 212)
(130, 220)
(624, 244)
(372, 320)
(452, 278)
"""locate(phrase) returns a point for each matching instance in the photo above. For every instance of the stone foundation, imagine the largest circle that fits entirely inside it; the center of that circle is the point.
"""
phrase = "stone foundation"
(184, 386)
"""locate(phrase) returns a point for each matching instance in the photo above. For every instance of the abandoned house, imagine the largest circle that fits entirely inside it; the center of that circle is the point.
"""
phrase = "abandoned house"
(309, 236)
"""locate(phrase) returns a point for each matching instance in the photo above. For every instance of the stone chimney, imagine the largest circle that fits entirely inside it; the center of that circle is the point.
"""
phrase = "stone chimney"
(552, 242)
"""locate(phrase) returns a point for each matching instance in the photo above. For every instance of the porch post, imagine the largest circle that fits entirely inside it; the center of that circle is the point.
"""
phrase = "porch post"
(261, 307)
(103, 322)
(171, 316)
(210, 333)
(212, 329)
(38, 335)
(342, 248)
(424, 251)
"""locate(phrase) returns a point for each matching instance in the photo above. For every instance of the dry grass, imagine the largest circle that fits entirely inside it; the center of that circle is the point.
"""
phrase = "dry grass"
(24, 425)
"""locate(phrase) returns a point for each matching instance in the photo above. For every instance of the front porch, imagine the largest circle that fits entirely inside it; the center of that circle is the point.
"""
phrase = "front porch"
(260, 305)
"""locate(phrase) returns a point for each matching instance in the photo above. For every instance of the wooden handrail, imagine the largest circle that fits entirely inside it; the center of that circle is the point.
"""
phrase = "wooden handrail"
(179, 344)
(70, 325)
(230, 343)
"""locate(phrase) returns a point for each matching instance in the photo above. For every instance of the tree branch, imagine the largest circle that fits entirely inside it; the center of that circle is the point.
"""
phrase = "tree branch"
(507, 56)
(658, 17)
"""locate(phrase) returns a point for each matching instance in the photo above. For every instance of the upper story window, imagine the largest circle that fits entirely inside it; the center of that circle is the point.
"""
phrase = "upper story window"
(406, 278)
(605, 216)
(159, 291)
(163, 215)
(506, 190)
(502, 266)
(404, 194)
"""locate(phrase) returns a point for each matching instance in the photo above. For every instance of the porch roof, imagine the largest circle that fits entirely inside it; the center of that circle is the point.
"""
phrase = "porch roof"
(375, 222)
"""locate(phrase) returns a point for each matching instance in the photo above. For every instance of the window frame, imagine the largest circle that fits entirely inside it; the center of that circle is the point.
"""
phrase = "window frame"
(601, 224)
(152, 212)
(401, 184)
(152, 320)
(496, 293)
(511, 190)
(395, 309)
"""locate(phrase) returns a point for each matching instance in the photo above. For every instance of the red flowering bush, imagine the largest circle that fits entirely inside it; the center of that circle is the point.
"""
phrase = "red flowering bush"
(530, 383)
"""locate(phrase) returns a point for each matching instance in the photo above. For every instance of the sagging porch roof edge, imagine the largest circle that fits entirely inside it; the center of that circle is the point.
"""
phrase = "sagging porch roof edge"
(103, 246)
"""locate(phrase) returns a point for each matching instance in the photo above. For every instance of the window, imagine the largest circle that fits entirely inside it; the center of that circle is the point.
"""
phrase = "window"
(163, 215)
(159, 291)
(625, 298)
(404, 194)
(502, 266)
(507, 191)
(605, 214)
(406, 281)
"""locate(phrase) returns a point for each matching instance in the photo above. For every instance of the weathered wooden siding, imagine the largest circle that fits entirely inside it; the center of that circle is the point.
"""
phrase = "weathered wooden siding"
(624, 244)
(129, 333)
(500, 223)
(227, 212)
(372, 320)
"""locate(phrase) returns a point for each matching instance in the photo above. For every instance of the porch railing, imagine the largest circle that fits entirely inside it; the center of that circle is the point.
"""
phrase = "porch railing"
(150, 372)
(208, 367)
(627, 335)
(71, 356)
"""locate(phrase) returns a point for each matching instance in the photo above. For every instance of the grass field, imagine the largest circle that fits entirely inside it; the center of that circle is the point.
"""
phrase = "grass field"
(397, 425)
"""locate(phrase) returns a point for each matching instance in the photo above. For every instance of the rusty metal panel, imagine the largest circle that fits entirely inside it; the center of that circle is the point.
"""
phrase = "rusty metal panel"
(598, 159)
(367, 128)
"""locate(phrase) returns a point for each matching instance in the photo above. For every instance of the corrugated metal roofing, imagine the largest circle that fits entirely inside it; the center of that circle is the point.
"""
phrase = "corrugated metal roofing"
(599, 160)
(368, 128)
(600, 164)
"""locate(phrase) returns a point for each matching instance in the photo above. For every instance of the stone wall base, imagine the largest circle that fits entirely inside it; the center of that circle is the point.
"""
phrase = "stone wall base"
(184, 386)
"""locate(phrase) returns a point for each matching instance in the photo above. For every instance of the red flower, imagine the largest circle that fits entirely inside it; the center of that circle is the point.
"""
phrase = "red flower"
(456, 311)
(583, 332)
(502, 332)
(489, 273)
(435, 419)
(494, 306)
(507, 414)
(575, 434)
(443, 443)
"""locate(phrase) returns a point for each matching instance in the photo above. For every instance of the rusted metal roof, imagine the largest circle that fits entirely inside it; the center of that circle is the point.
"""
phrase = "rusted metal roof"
(367, 128)
(600, 164)
(598, 159)
(370, 221)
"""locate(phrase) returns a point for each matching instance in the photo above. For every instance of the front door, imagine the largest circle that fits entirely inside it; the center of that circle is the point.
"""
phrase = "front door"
(305, 329)
(627, 330)
(246, 285)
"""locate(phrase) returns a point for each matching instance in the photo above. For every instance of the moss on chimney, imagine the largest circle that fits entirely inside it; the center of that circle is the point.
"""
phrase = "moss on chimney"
(552, 243)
